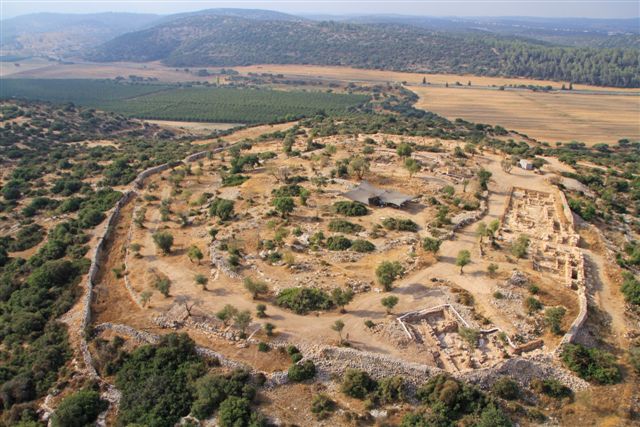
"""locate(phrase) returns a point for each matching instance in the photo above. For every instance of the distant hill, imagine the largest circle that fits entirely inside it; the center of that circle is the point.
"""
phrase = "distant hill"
(227, 40)
(58, 34)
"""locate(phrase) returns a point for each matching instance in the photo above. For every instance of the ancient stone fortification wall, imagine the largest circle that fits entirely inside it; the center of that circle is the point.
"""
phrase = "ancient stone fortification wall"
(93, 271)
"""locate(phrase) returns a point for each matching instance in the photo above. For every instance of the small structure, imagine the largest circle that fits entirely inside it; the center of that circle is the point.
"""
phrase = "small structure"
(369, 195)
(525, 164)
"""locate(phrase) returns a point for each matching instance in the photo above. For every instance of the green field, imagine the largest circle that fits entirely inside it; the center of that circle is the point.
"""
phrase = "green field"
(171, 102)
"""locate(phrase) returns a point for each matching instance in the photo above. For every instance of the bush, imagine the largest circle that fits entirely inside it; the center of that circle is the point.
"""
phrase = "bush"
(400, 224)
(430, 244)
(506, 388)
(390, 390)
(343, 226)
(90, 217)
(591, 364)
(357, 384)
(551, 387)
(532, 305)
(263, 347)
(164, 241)
(233, 180)
(78, 409)
(154, 381)
(350, 208)
(302, 371)
(322, 406)
(387, 272)
(236, 412)
(454, 397)
(338, 243)
(553, 317)
(631, 289)
(221, 208)
(213, 389)
(303, 300)
(363, 246)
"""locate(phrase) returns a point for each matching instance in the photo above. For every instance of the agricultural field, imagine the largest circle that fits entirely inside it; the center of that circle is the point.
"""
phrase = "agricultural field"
(198, 103)
(550, 117)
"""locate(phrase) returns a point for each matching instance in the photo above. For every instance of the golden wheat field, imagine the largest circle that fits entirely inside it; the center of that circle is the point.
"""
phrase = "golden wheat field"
(589, 118)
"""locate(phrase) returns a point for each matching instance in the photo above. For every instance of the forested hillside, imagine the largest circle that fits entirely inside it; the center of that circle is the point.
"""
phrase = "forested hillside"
(211, 40)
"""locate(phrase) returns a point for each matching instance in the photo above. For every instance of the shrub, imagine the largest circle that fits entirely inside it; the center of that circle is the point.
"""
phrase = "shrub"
(163, 285)
(290, 190)
(302, 371)
(470, 335)
(263, 347)
(506, 388)
(303, 300)
(90, 217)
(221, 208)
(553, 317)
(363, 246)
(454, 397)
(532, 305)
(369, 323)
(387, 272)
(591, 364)
(357, 384)
(631, 289)
(155, 382)
(343, 226)
(164, 241)
(236, 412)
(338, 243)
(390, 390)
(322, 406)
(400, 224)
(233, 180)
(348, 208)
(519, 248)
(430, 244)
(78, 409)
(551, 387)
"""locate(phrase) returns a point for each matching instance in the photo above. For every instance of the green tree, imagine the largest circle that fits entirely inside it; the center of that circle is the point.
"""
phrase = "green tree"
(164, 241)
(221, 208)
(432, 245)
(261, 311)
(519, 247)
(404, 150)
(358, 166)
(242, 320)
(284, 205)
(463, 259)
(338, 326)
(412, 166)
(195, 253)
(201, 280)
(389, 302)
(163, 285)
(387, 272)
(255, 287)
(227, 313)
(342, 297)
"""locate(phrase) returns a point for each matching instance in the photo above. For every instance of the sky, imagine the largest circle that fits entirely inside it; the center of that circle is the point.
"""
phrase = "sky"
(542, 8)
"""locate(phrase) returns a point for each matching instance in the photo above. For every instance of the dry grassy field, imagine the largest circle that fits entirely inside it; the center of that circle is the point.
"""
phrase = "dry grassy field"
(357, 74)
(546, 116)
(590, 118)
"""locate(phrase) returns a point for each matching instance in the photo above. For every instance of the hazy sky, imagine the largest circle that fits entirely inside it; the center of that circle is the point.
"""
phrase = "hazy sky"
(546, 8)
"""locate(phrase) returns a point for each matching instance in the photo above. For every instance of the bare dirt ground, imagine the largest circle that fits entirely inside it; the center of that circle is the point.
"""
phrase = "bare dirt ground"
(193, 128)
(250, 132)
(545, 116)
(415, 290)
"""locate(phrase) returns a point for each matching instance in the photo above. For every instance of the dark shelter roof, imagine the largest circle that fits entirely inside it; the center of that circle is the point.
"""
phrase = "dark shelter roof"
(370, 195)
